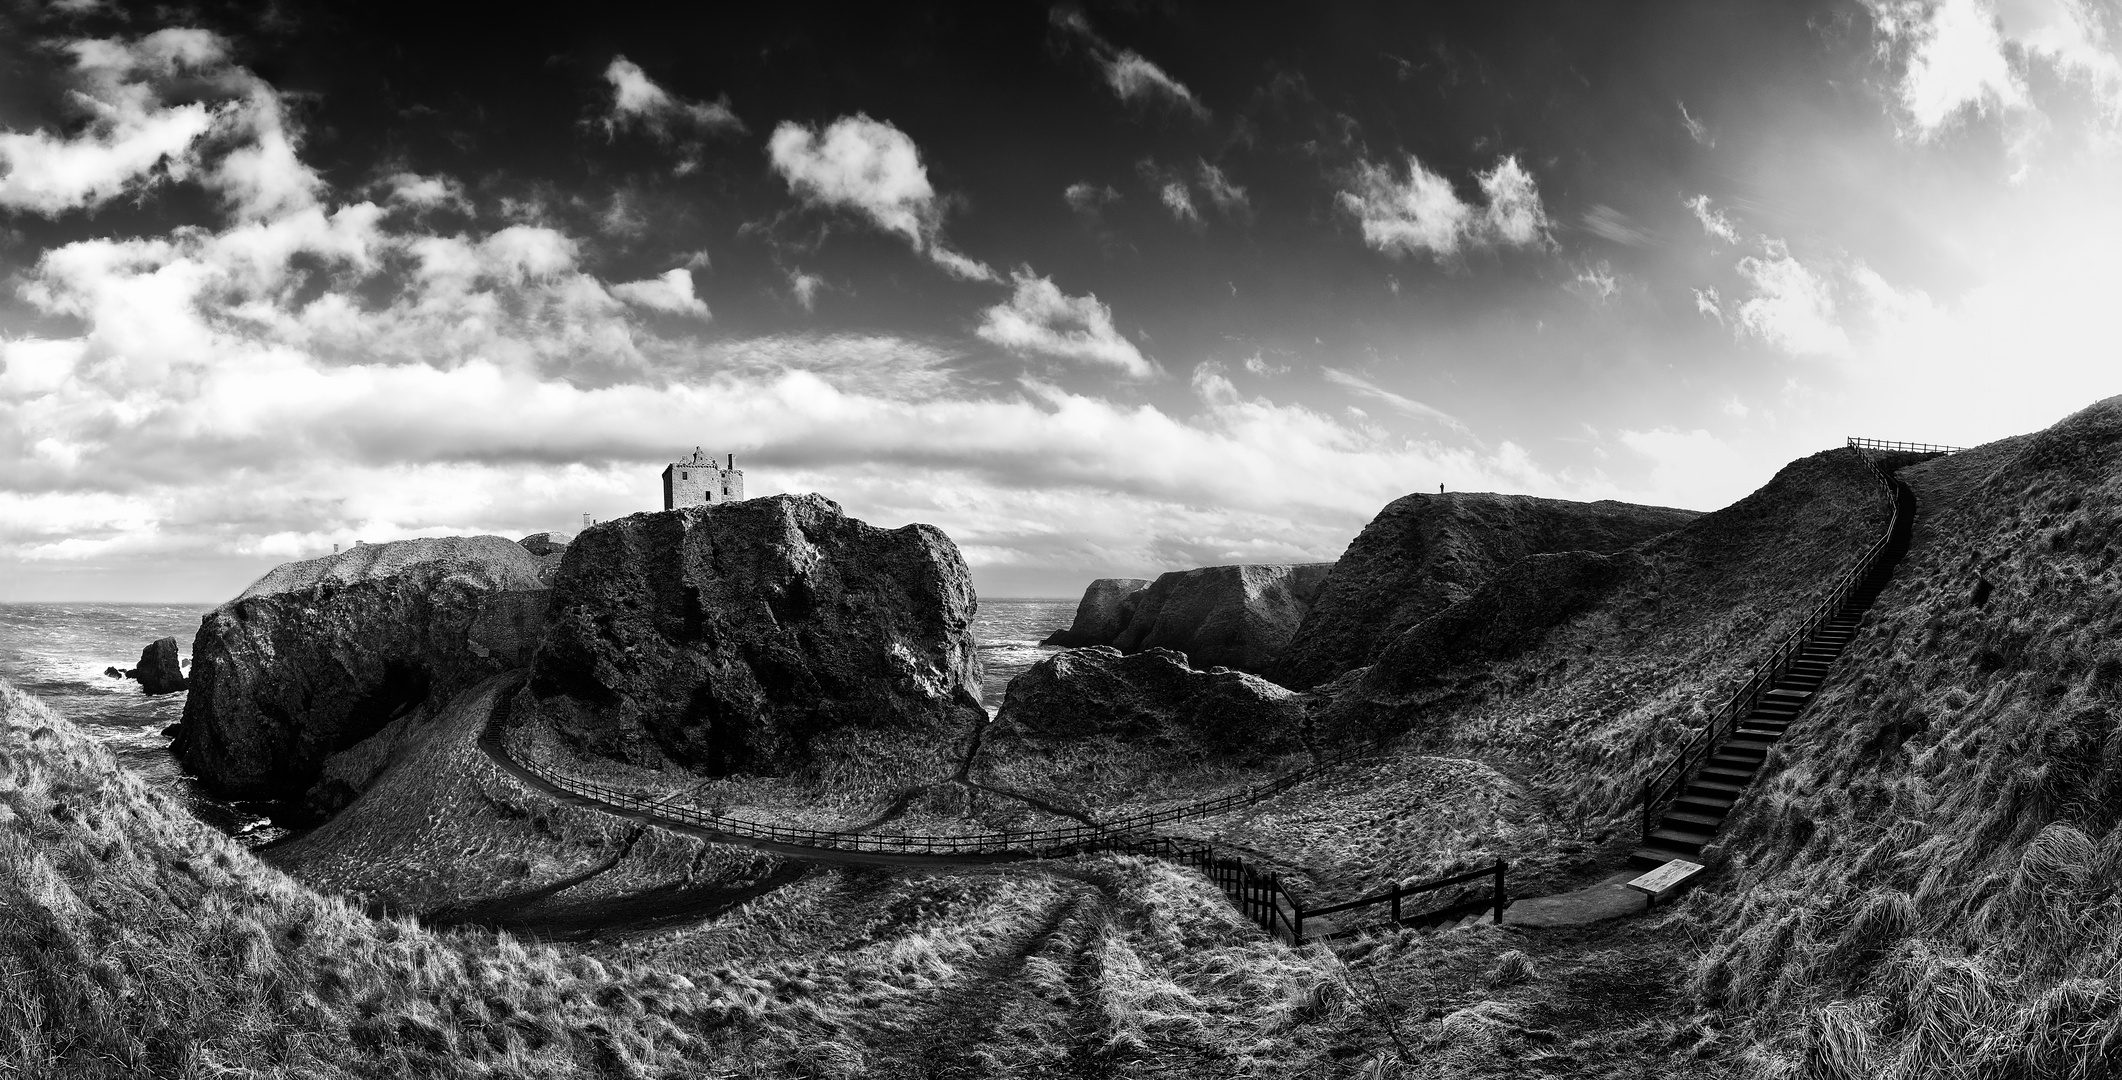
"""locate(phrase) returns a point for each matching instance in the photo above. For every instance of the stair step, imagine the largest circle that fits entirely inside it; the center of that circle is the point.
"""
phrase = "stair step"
(1709, 821)
(1705, 805)
(1737, 763)
(1747, 751)
(1690, 843)
(1714, 775)
(1751, 742)
(1652, 857)
(1715, 787)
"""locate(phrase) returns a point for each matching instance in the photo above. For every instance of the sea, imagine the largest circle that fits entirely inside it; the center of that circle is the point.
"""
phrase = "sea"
(59, 652)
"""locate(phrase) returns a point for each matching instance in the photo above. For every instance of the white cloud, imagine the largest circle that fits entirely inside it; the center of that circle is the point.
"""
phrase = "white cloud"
(637, 102)
(670, 292)
(1714, 222)
(804, 287)
(1085, 197)
(1596, 282)
(1614, 225)
(1132, 76)
(1956, 60)
(1179, 201)
(129, 130)
(1707, 302)
(873, 168)
(1227, 197)
(1793, 307)
(1404, 404)
(1696, 129)
(426, 192)
(1514, 214)
(1423, 214)
(1042, 320)
(1258, 365)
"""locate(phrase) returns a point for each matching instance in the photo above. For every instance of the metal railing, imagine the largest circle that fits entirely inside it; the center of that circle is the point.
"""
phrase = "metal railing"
(1905, 447)
(1673, 777)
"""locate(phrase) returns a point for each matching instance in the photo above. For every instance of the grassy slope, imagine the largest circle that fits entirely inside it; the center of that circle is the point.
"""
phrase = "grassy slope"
(1527, 755)
(137, 941)
(1931, 881)
(1580, 708)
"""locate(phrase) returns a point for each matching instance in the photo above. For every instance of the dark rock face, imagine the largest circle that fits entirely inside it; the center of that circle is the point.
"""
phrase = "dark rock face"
(1224, 616)
(318, 655)
(1149, 695)
(546, 543)
(159, 672)
(1423, 553)
(728, 637)
(1102, 614)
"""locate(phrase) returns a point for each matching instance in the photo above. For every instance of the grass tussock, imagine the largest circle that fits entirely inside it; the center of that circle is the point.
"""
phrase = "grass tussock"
(138, 942)
(1505, 1001)
(1930, 881)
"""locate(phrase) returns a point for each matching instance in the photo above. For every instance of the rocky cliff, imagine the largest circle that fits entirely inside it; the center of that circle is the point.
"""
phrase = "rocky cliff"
(158, 671)
(1423, 553)
(731, 637)
(319, 655)
(1102, 614)
(1224, 616)
(1151, 695)
(546, 543)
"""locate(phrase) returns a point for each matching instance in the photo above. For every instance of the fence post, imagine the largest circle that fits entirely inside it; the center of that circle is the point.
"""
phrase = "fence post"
(1502, 899)
(1396, 903)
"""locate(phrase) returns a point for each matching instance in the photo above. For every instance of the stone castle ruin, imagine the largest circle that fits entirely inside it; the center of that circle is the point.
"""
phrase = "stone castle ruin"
(701, 481)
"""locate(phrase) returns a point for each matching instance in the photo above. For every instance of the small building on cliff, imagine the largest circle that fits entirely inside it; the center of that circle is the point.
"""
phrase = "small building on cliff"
(701, 480)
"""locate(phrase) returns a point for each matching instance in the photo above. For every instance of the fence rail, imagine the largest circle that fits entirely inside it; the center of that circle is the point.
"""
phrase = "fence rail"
(1670, 779)
(1026, 844)
(1909, 447)
(1259, 894)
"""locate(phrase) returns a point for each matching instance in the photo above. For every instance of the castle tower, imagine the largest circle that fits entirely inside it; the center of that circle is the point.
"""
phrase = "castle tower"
(700, 480)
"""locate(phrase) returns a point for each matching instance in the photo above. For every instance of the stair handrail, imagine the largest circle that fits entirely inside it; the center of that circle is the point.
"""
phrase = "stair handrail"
(1674, 775)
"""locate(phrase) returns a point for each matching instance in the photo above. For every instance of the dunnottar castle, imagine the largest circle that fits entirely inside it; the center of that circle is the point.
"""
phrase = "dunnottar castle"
(700, 480)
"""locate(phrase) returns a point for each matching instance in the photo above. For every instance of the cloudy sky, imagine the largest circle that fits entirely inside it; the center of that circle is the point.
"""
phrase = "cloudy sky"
(1099, 289)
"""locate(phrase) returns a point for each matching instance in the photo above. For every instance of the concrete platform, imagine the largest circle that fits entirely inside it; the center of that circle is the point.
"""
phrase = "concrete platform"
(1609, 899)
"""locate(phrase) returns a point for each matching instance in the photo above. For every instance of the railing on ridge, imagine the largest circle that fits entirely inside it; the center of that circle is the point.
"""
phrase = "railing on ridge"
(1903, 447)
(1668, 780)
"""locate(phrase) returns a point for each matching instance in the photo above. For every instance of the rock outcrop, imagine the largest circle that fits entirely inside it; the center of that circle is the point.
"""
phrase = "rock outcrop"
(1224, 616)
(318, 655)
(546, 543)
(1152, 695)
(734, 636)
(1102, 614)
(159, 671)
(1423, 553)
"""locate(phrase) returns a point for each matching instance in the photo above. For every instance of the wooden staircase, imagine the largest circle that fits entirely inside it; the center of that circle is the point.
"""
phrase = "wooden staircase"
(1699, 811)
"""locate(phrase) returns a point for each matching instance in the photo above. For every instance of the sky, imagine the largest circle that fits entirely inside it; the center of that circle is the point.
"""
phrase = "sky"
(1098, 289)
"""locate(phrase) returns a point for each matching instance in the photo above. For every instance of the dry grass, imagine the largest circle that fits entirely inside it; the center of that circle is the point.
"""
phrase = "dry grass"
(1503, 1001)
(1580, 705)
(1930, 883)
(138, 942)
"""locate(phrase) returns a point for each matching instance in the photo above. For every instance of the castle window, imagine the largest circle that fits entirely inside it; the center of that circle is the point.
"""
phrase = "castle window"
(685, 476)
